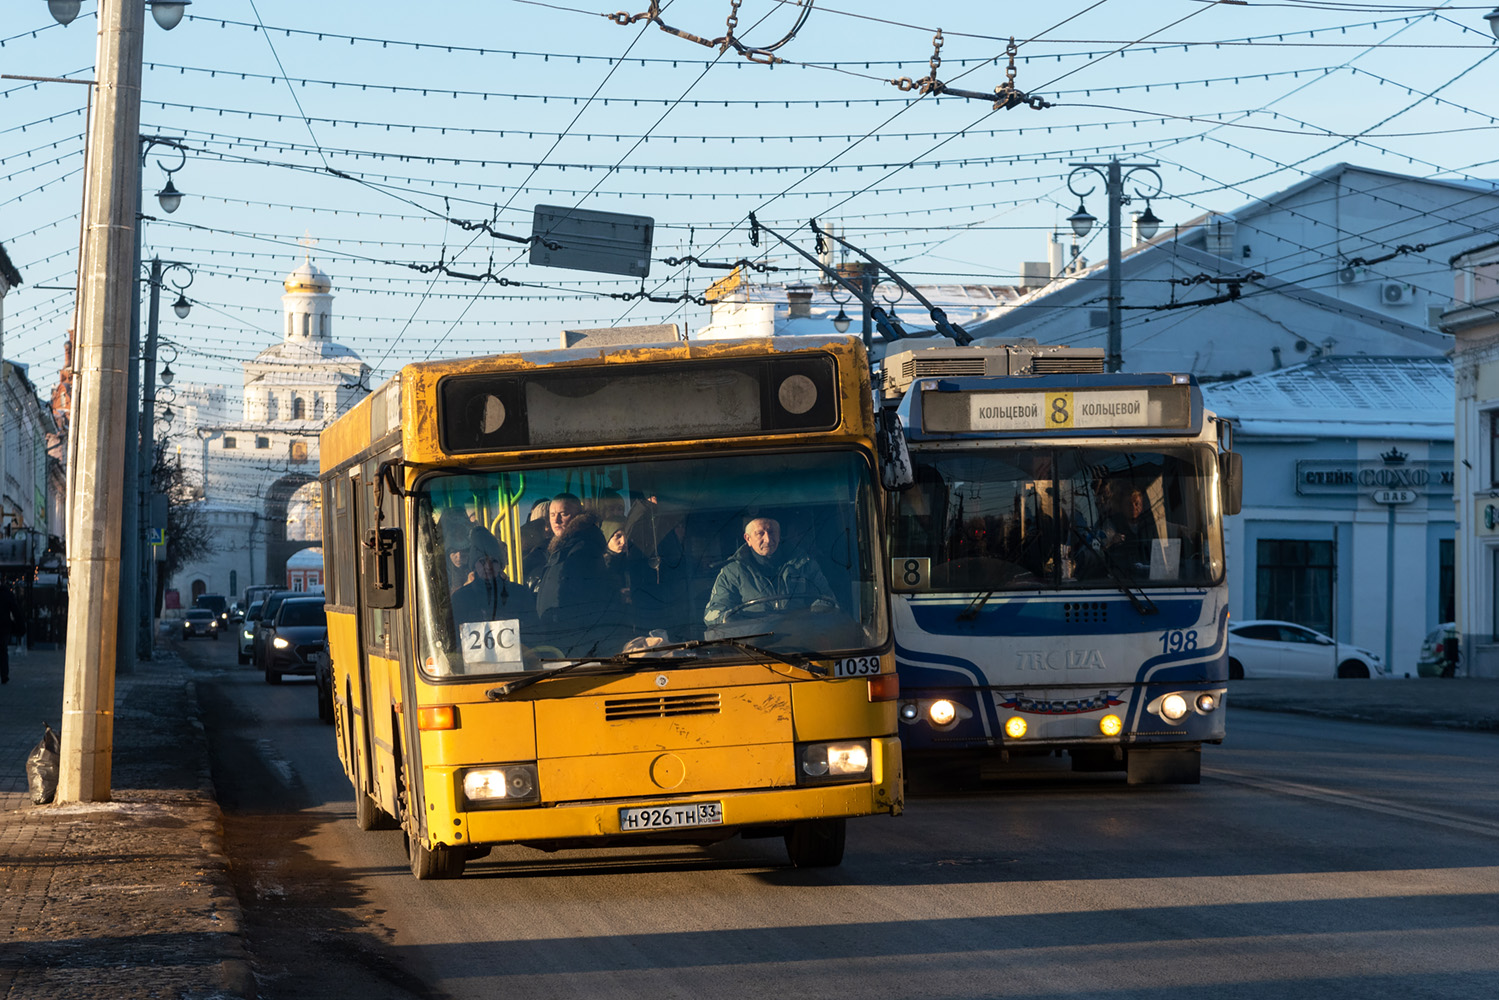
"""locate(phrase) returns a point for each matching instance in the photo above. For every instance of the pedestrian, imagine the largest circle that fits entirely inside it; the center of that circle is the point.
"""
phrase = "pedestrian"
(12, 623)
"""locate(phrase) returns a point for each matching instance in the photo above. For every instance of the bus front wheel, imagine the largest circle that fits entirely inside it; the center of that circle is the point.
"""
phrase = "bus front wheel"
(816, 843)
(435, 862)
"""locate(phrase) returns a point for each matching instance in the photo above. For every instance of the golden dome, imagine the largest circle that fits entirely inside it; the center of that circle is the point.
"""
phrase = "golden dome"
(308, 278)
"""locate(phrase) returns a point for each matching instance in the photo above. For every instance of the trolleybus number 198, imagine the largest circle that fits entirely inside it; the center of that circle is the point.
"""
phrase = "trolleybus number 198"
(671, 817)
(856, 666)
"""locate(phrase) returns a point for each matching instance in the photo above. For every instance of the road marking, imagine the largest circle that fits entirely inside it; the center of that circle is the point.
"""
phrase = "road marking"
(1487, 827)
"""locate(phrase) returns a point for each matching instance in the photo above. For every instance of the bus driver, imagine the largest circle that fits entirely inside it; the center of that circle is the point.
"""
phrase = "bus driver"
(757, 575)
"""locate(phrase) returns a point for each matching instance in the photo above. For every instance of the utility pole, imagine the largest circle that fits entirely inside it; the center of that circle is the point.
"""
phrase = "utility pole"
(106, 290)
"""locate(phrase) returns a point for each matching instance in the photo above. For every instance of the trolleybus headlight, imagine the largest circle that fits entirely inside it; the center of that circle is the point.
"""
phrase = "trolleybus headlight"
(908, 711)
(1111, 725)
(1206, 702)
(833, 761)
(1173, 707)
(942, 712)
(1015, 727)
(503, 785)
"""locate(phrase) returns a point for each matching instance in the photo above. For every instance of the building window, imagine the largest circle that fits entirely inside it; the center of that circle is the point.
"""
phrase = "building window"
(1446, 581)
(1493, 449)
(299, 451)
(299, 408)
(262, 442)
(229, 442)
(1294, 582)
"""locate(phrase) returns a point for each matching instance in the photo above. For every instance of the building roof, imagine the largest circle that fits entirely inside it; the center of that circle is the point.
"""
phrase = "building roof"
(8, 272)
(1354, 396)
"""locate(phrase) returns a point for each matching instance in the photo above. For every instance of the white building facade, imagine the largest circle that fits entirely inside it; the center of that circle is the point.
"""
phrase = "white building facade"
(259, 472)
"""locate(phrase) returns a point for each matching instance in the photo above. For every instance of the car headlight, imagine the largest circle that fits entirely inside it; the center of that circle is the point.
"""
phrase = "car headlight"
(248, 635)
(280, 643)
(822, 762)
(500, 786)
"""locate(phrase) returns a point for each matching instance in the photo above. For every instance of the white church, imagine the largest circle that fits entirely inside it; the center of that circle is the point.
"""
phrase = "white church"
(259, 473)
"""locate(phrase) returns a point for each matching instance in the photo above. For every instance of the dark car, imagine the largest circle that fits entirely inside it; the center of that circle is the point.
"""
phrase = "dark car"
(297, 635)
(200, 621)
(268, 609)
(218, 604)
(322, 672)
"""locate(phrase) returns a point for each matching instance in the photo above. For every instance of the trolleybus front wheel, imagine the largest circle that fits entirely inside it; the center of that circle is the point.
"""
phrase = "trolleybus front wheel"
(816, 843)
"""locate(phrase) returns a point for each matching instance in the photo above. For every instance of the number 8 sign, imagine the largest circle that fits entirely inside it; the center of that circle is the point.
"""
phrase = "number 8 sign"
(910, 573)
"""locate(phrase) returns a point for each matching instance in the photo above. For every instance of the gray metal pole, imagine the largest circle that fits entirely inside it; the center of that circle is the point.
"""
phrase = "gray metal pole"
(1116, 288)
(130, 518)
(145, 632)
(101, 406)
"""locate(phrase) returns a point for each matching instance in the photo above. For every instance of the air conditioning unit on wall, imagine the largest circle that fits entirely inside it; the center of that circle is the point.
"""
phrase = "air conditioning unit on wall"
(1394, 293)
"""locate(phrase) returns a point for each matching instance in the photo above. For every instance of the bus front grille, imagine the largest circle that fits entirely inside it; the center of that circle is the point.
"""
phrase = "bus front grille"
(660, 706)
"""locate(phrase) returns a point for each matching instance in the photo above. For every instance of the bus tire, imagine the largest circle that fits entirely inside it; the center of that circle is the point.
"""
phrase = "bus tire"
(367, 815)
(435, 862)
(1235, 670)
(816, 843)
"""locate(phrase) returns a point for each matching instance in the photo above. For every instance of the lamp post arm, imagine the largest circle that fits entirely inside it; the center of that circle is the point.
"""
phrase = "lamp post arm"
(939, 317)
(887, 324)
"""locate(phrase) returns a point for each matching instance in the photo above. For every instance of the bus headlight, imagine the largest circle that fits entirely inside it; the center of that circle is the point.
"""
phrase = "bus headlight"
(942, 712)
(1015, 727)
(1111, 725)
(499, 786)
(845, 761)
(1173, 707)
(909, 711)
(1206, 702)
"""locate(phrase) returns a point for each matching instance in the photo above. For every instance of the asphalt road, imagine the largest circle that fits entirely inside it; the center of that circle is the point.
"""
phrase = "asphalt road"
(1318, 858)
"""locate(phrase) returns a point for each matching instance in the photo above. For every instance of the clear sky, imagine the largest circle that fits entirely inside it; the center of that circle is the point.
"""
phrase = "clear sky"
(478, 111)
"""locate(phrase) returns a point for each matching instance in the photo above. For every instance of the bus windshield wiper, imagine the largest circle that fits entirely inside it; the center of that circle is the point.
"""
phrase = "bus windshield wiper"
(651, 657)
(976, 605)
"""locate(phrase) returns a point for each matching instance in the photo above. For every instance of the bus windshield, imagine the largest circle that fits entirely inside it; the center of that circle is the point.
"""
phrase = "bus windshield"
(517, 570)
(1026, 518)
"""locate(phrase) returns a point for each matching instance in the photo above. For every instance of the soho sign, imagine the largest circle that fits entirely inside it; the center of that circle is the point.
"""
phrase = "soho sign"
(1323, 476)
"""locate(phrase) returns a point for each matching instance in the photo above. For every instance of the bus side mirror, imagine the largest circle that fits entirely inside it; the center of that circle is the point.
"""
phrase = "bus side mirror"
(1231, 475)
(895, 459)
(384, 570)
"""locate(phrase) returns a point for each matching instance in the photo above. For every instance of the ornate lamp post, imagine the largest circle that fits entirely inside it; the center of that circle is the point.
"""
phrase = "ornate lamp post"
(1115, 175)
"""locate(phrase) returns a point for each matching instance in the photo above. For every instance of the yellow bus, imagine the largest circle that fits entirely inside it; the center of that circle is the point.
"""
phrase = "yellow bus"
(609, 596)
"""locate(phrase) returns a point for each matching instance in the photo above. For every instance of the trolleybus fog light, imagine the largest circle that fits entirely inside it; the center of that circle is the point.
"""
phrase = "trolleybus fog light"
(1206, 702)
(507, 785)
(942, 712)
(908, 711)
(1173, 707)
(833, 761)
(1015, 727)
(1111, 725)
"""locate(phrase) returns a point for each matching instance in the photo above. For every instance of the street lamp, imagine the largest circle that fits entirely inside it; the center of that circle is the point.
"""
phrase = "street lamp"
(168, 13)
(1493, 18)
(1115, 175)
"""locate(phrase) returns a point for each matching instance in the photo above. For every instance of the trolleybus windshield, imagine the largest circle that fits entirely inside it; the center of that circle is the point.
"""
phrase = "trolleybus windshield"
(653, 552)
(1010, 519)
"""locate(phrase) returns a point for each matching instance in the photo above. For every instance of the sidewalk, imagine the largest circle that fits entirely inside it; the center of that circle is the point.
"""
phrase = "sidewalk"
(123, 899)
(1454, 703)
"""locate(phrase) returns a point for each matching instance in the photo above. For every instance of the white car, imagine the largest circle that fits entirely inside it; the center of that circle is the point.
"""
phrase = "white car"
(245, 632)
(1264, 648)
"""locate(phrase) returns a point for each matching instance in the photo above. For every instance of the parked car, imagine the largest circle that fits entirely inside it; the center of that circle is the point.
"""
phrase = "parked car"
(246, 632)
(1432, 659)
(200, 621)
(1265, 648)
(297, 634)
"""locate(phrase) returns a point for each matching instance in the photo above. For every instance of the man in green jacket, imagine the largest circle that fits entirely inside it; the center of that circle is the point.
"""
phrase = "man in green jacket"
(756, 576)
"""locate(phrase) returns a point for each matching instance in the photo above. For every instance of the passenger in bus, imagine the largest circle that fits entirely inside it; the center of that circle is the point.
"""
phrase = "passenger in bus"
(456, 531)
(627, 564)
(490, 596)
(759, 572)
(576, 603)
(535, 535)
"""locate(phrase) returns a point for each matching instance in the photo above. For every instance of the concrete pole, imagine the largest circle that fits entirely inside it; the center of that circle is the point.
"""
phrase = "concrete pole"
(101, 406)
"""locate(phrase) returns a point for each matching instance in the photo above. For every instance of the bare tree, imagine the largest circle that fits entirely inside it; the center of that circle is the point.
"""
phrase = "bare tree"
(188, 536)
